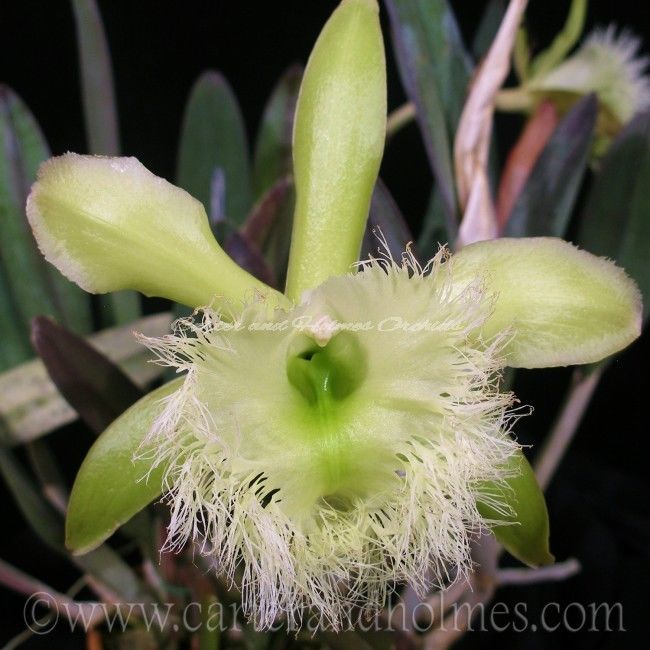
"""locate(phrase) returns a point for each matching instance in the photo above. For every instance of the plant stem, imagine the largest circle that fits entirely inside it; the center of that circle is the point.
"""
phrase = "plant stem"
(577, 401)
(399, 118)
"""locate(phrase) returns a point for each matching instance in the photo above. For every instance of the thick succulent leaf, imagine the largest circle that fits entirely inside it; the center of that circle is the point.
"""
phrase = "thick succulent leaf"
(110, 224)
(97, 86)
(35, 286)
(546, 202)
(386, 226)
(42, 518)
(523, 531)
(31, 405)
(94, 386)
(213, 140)
(15, 346)
(488, 27)
(272, 160)
(435, 71)
(111, 486)
(434, 226)
(616, 221)
(561, 305)
(103, 564)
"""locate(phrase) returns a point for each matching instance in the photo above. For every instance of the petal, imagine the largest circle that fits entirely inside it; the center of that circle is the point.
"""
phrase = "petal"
(111, 487)
(563, 305)
(110, 224)
(524, 532)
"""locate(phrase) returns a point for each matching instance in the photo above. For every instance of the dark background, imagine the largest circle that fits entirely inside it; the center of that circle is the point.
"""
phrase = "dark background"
(599, 499)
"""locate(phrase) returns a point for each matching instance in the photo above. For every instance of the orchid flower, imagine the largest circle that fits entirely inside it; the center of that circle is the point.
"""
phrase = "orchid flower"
(607, 63)
(325, 443)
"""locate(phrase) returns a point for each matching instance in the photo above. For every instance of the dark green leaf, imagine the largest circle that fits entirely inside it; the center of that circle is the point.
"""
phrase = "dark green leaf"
(524, 532)
(111, 486)
(488, 27)
(119, 308)
(92, 384)
(616, 220)
(97, 89)
(546, 202)
(103, 564)
(385, 222)
(15, 346)
(42, 518)
(272, 160)
(435, 72)
(31, 405)
(434, 230)
(213, 141)
(35, 286)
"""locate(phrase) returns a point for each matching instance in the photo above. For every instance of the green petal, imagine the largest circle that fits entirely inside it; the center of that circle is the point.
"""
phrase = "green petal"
(338, 141)
(562, 305)
(110, 224)
(524, 533)
(110, 487)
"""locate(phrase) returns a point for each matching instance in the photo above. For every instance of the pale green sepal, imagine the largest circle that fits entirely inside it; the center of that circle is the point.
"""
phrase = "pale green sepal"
(338, 141)
(564, 41)
(561, 305)
(111, 487)
(110, 224)
(524, 531)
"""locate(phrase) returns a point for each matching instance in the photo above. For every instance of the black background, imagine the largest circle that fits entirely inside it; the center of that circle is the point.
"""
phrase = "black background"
(599, 499)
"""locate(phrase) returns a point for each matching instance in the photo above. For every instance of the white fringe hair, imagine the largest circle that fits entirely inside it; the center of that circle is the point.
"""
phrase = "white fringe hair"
(304, 511)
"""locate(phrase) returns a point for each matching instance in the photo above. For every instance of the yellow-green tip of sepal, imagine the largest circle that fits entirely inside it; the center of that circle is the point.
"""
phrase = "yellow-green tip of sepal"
(110, 224)
(338, 142)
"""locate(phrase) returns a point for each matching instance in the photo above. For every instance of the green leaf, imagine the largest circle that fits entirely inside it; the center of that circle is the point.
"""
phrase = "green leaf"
(272, 160)
(35, 286)
(488, 27)
(15, 346)
(435, 71)
(616, 220)
(42, 518)
(560, 305)
(523, 531)
(94, 386)
(386, 223)
(30, 404)
(213, 138)
(97, 89)
(104, 564)
(434, 226)
(111, 487)
(547, 200)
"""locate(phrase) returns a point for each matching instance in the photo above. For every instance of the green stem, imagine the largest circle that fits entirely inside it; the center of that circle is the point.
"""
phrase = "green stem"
(399, 118)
